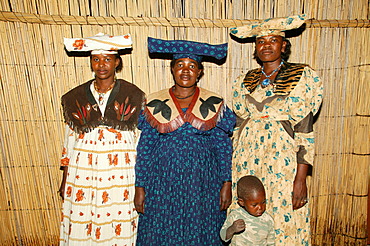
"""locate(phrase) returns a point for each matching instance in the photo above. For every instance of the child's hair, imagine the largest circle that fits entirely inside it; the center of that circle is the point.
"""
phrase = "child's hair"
(248, 185)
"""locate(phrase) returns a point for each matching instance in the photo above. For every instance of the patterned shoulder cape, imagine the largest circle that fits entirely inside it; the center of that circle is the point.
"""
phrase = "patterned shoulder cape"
(286, 80)
(163, 112)
(82, 113)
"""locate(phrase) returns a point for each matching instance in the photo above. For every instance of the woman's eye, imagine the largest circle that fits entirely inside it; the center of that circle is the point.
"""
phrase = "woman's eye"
(192, 66)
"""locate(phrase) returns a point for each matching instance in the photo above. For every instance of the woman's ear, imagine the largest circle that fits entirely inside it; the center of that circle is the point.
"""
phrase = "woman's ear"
(283, 47)
(172, 70)
(200, 73)
(117, 62)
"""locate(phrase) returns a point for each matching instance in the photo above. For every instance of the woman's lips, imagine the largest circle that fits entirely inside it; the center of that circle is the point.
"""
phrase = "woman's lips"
(267, 52)
(102, 71)
(185, 77)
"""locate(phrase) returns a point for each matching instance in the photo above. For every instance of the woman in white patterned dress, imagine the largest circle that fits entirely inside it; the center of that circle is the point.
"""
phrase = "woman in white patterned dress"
(99, 150)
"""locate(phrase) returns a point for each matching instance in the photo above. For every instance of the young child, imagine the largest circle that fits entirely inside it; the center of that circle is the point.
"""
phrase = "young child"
(249, 224)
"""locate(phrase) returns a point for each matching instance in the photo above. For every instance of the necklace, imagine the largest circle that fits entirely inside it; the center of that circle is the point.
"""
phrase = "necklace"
(102, 94)
(267, 80)
(173, 89)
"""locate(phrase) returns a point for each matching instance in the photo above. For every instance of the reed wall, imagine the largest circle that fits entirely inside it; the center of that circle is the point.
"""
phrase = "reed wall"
(35, 72)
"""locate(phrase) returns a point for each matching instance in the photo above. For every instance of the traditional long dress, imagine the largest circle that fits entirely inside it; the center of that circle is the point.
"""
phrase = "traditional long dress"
(276, 134)
(100, 154)
(183, 158)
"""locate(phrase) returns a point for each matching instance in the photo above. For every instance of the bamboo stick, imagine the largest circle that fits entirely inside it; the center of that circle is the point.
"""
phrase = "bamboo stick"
(172, 22)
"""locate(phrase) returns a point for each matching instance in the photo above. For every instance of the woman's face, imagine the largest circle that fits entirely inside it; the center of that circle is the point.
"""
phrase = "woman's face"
(104, 65)
(269, 48)
(185, 72)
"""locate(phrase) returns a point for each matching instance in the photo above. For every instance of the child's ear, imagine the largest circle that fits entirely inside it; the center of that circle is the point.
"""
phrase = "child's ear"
(241, 202)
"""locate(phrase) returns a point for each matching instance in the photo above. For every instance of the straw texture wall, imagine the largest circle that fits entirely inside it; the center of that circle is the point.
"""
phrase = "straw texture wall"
(35, 71)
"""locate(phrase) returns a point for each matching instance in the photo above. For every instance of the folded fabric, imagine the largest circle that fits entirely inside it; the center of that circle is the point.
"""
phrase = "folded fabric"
(187, 49)
(271, 26)
(100, 43)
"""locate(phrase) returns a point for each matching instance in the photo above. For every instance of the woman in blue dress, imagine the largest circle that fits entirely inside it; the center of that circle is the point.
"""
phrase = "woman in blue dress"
(183, 167)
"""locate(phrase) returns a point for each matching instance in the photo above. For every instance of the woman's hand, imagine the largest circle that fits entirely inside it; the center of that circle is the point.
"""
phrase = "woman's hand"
(299, 196)
(61, 190)
(225, 196)
(139, 199)
(63, 183)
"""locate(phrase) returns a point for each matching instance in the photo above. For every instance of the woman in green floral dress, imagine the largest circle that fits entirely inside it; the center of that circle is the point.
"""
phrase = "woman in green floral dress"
(275, 140)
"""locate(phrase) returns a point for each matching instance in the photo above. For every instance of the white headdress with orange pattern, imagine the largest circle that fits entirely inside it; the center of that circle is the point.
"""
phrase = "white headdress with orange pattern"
(99, 44)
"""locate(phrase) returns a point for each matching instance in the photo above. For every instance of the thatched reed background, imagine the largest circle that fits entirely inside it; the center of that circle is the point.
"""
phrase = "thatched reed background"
(35, 71)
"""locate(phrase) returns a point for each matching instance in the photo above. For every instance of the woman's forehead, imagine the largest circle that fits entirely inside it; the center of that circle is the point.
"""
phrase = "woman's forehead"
(269, 37)
(103, 55)
(188, 60)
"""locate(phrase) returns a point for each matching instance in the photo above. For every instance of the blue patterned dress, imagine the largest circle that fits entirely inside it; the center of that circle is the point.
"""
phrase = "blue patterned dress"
(182, 172)
(277, 133)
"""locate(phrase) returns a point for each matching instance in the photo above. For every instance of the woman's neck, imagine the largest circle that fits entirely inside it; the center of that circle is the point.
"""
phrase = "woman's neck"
(268, 67)
(183, 92)
(184, 95)
(104, 85)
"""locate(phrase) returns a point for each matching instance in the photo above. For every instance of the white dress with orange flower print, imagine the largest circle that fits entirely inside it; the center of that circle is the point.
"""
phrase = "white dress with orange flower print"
(98, 207)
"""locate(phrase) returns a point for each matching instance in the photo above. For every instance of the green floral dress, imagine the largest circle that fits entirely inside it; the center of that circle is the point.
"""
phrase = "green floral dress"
(277, 133)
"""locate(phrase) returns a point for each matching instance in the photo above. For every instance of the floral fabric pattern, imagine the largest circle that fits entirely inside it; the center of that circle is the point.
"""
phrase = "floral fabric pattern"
(98, 206)
(263, 147)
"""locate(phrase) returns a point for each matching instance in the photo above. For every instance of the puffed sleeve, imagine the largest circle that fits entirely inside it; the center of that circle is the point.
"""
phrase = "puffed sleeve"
(303, 125)
(222, 144)
(147, 142)
(69, 140)
(239, 103)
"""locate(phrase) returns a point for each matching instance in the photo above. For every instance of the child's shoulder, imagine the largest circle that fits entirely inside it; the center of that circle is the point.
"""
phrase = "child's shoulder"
(267, 215)
(235, 214)
(267, 218)
(235, 211)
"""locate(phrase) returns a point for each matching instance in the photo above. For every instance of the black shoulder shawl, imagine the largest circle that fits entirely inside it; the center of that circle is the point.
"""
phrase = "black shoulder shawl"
(82, 112)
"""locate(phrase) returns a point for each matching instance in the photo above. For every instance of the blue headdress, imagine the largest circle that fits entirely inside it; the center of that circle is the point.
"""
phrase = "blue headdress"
(187, 49)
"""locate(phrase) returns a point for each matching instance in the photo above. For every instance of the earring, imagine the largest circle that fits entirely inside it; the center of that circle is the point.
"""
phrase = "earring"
(93, 74)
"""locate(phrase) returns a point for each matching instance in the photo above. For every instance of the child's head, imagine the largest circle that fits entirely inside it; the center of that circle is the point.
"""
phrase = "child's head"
(251, 195)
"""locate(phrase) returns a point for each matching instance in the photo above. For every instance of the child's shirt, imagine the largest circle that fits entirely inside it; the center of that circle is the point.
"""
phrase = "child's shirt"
(258, 230)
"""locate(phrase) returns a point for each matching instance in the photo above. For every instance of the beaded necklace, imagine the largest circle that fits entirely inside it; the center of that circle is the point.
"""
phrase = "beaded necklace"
(102, 94)
(267, 80)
